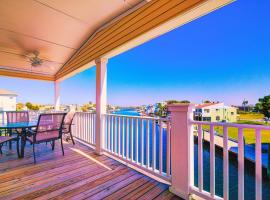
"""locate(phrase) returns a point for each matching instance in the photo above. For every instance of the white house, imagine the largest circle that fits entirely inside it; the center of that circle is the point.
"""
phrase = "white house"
(8, 100)
(215, 112)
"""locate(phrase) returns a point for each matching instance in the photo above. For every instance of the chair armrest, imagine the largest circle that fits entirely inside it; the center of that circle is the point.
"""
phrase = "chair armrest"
(31, 132)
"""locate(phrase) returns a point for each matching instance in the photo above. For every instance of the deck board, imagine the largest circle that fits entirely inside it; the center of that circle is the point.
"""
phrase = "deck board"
(80, 174)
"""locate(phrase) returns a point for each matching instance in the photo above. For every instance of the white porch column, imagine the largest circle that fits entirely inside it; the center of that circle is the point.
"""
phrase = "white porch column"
(57, 95)
(181, 149)
(101, 102)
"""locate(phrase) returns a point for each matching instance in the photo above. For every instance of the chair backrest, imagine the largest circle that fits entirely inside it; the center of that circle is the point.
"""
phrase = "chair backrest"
(68, 120)
(17, 116)
(49, 126)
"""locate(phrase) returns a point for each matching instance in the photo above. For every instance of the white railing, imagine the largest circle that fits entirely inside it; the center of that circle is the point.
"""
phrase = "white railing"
(224, 143)
(142, 142)
(84, 127)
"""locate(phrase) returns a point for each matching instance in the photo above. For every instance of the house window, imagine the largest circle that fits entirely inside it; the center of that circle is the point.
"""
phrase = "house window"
(232, 113)
(218, 118)
(208, 119)
(10, 97)
(207, 110)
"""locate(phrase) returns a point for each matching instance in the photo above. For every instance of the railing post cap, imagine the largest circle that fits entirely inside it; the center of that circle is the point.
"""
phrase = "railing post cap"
(181, 107)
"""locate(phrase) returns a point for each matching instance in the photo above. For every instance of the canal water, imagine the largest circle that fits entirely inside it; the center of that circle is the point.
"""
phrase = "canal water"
(233, 167)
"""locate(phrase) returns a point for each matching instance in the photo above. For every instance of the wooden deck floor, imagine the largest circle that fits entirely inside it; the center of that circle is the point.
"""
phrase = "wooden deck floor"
(80, 174)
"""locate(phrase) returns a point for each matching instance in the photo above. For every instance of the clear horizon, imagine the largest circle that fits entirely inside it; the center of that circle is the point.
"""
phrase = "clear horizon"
(223, 56)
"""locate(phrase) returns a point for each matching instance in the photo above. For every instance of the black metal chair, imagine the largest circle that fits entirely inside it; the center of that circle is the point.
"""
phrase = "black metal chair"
(5, 139)
(67, 130)
(15, 117)
(49, 129)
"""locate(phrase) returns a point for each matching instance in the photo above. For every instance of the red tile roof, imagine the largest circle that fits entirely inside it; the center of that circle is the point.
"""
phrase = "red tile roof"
(205, 105)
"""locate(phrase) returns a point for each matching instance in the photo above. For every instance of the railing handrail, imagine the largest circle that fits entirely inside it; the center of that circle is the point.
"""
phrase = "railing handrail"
(80, 112)
(251, 126)
(138, 117)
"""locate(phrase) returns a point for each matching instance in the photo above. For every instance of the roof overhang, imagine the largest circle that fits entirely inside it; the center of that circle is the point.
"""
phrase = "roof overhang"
(134, 27)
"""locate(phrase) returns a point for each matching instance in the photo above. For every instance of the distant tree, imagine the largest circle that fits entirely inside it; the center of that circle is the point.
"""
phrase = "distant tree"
(185, 101)
(161, 110)
(176, 101)
(86, 107)
(172, 101)
(263, 106)
(29, 105)
(19, 106)
(244, 104)
(207, 101)
(35, 107)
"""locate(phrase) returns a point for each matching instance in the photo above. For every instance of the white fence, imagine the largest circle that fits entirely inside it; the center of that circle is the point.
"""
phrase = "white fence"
(142, 142)
(84, 127)
(213, 142)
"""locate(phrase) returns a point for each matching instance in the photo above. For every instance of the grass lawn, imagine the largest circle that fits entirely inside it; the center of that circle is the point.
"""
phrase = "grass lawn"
(249, 134)
(250, 116)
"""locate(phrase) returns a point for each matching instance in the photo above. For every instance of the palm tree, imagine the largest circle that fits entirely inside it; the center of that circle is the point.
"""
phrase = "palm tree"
(244, 104)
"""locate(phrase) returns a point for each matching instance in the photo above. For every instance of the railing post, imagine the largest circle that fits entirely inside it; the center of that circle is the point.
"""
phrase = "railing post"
(57, 95)
(101, 102)
(182, 167)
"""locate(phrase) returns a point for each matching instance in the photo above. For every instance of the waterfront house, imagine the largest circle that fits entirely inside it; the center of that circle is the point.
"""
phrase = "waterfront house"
(215, 112)
(8, 100)
(50, 40)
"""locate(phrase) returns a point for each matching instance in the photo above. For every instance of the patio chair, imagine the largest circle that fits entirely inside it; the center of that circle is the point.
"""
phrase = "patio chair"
(4, 139)
(17, 116)
(14, 117)
(68, 125)
(49, 129)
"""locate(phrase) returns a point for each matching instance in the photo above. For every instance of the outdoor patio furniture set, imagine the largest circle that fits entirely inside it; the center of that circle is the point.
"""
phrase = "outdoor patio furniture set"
(47, 129)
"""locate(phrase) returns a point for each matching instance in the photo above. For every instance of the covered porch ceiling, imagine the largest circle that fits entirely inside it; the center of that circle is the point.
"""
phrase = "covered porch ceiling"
(69, 35)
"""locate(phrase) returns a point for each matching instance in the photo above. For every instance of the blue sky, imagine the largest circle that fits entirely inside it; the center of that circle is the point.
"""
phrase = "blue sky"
(224, 56)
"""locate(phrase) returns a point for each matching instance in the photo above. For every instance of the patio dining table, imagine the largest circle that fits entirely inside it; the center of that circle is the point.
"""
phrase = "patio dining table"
(24, 126)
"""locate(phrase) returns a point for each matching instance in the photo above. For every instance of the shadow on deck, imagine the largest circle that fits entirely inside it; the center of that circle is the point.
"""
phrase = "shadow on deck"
(80, 174)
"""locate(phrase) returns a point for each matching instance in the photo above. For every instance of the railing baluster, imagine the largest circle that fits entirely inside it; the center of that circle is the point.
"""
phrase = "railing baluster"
(168, 149)
(109, 133)
(92, 128)
(212, 161)
(87, 132)
(118, 137)
(200, 158)
(123, 138)
(147, 143)
(127, 139)
(154, 144)
(258, 167)
(241, 162)
(142, 142)
(225, 164)
(131, 140)
(160, 147)
(137, 140)
(114, 135)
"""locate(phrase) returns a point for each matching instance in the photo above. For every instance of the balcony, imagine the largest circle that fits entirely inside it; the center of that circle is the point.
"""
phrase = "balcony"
(118, 156)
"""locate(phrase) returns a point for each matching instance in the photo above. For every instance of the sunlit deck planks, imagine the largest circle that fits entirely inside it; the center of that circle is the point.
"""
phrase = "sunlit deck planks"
(80, 174)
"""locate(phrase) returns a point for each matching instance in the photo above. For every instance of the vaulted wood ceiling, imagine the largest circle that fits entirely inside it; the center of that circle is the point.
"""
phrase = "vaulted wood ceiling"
(70, 34)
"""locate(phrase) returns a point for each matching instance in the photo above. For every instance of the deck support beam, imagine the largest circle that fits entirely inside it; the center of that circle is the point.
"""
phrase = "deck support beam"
(182, 167)
(101, 102)
(57, 95)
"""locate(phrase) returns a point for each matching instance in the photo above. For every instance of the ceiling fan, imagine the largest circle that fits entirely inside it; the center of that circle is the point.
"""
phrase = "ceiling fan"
(35, 60)
(33, 57)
